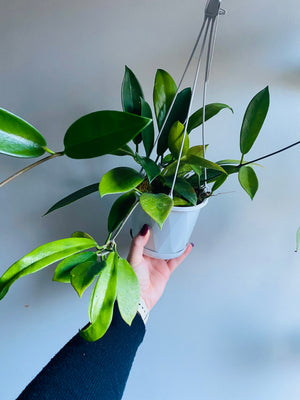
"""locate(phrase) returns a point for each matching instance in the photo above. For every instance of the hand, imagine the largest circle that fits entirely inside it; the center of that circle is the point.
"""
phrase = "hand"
(152, 273)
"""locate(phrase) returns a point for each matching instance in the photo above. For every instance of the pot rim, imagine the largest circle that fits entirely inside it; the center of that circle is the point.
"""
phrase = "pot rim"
(190, 208)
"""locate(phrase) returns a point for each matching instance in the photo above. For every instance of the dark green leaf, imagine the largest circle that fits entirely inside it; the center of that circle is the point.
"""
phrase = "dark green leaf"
(128, 290)
(18, 138)
(119, 210)
(211, 110)
(151, 168)
(175, 139)
(102, 301)
(148, 132)
(119, 180)
(102, 132)
(41, 257)
(183, 188)
(163, 94)
(123, 151)
(178, 113)
(253, 119)
(83, 275)
(63, 269)
(219, 182)
(248, 180)
(157, 206)
(79, 194)
(131, 93)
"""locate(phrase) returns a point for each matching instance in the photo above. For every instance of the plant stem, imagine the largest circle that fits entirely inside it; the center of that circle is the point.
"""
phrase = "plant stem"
(22, 171)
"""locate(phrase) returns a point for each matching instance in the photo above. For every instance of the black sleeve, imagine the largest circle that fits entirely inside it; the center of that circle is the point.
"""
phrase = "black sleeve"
(90, 370)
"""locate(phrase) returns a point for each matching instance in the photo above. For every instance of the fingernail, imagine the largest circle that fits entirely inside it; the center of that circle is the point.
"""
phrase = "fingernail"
(144, 230)
(192, 244)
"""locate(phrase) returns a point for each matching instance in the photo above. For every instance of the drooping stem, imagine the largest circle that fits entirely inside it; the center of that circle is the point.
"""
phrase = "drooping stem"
(271, 154)
(22, 171)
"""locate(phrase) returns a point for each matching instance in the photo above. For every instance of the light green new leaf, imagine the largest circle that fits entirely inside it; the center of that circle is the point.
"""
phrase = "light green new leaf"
(178, 113)
(203, 162)
(119, 180)
(163, 94)
(196, 151)
(211, 110)
(298, 239)
(148, 132)
(248, 180)
(175, 139)
(102, 301)
(157, 206)
(83, 275)
(18, 138)
(253, 119)
(79, 194)
(41, 257)
(102, 132)
(128, 290)
(119, 210)
(64, 268)
(80, 234)
(151, 168)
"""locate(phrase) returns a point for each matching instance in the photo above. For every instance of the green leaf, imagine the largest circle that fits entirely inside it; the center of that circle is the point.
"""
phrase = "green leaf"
(203, 162)
(183, 188)
(119, 180)
(83, 275)
(157, 206)
(297, 239)
(175, 139)
(179, 202)
(151, 168)
(148, 132)
(79, 194)
(123, 151)
(128, 290)
(18, 138)
(163, 94)
(196, 151)
(41, 257)
(219, 182)
(211, 110)
(64, 268)
(102, 301)
(102, 132)
(119, 210)
(248, 180)
(80, 234)
(178, 113)
(131, 93)
(253, 119)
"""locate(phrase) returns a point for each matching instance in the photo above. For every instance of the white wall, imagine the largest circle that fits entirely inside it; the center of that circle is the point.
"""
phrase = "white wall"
(228, 325)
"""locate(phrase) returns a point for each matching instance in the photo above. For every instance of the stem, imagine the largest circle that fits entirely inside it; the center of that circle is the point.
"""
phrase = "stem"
(124, 222)
(22, 171)
(242, 158)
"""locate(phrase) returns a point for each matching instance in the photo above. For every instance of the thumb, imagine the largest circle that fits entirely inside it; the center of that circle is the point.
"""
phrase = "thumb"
(138, 243)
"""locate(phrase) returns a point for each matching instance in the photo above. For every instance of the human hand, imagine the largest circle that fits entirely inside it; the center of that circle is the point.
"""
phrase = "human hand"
(153, 274)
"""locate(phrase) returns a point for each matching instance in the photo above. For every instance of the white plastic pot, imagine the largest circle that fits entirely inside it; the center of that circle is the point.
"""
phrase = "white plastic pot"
(170, 241)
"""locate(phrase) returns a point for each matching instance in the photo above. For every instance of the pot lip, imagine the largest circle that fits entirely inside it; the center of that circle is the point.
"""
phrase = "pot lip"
(190, 208)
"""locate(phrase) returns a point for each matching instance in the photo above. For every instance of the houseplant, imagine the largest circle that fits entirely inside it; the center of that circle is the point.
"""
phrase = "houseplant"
(81, 258)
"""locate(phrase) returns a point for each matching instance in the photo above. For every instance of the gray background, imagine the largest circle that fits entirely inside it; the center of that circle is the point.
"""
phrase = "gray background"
(228, 325)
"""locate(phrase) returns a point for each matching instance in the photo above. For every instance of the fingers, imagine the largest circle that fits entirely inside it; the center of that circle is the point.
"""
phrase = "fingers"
(173, 264)
(138, 243)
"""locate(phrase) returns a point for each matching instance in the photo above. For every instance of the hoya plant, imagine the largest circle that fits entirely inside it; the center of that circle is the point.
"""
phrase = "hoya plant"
(157, 139)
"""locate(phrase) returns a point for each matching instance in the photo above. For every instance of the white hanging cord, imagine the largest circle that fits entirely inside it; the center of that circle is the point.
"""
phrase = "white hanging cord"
(180, 82)
(190, 107)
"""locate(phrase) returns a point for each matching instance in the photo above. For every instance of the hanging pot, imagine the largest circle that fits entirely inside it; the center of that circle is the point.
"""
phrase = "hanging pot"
(170, 241)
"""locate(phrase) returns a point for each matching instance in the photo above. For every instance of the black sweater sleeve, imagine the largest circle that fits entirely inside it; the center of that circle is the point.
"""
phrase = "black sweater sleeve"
(90, 370)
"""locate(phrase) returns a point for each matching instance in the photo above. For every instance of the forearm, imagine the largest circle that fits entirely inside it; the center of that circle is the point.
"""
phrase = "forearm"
(90, 371)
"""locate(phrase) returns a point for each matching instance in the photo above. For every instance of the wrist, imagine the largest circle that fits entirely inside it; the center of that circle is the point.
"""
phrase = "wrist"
(143, 310)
